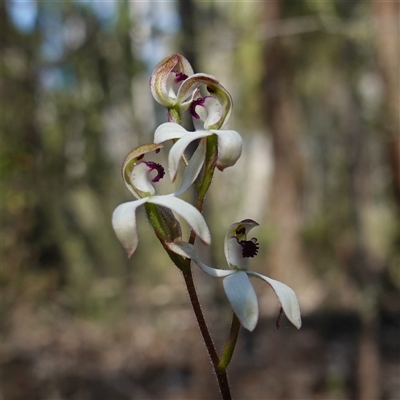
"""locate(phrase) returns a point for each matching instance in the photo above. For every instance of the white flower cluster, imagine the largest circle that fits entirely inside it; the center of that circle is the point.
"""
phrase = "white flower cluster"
(174, 85)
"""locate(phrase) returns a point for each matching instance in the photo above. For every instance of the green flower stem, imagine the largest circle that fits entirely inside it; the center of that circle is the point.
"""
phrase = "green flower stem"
(209, 168)
(174, 115)
(230, 344)
(211, 160)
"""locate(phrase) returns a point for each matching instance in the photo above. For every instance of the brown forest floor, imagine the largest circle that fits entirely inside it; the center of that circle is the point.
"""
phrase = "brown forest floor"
(49, 355)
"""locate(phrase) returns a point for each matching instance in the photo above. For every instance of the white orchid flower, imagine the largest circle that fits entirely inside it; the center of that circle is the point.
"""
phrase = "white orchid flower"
(173, 83)
(139, 176)
(209, 113)
(238, 288)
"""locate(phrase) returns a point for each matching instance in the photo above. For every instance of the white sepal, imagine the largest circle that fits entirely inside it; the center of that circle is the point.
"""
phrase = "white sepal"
(287, 298)
(124, 224)
(243, 298)
(187, 250)
(229, 148)
(168, 131)
(193, 168)
(178, 149)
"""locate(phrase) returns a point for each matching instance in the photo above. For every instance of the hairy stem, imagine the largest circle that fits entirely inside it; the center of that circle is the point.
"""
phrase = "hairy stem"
(220, 373)
(203, 186)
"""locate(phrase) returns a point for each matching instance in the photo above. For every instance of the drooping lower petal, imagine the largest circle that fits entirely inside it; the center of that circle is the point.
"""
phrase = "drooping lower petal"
(229, 148)
(193, 168)
(124, 224)
(178, 149)
(287, 298)
(243, 298)
(192, 216)
(187, 250)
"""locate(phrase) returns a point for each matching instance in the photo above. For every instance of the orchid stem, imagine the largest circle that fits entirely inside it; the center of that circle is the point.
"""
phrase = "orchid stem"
(202, 188)
(220, 373)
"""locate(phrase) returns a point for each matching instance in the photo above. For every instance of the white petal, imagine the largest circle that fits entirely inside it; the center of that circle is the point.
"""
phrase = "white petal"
(193, 168)
(192, 216)
(210, 112)
(287, 298)
(234, 255)
(229, 148)
(187, 250)
(243, 298)
(179, 147)
(168, 131)
(141, 181)
(124, 224)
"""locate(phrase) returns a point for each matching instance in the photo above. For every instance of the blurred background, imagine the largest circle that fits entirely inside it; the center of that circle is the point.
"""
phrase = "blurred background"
(316, 99)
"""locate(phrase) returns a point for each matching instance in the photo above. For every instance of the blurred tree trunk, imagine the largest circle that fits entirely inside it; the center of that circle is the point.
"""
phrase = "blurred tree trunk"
(286, 259)
(363, 268)
(24, 218)
(387, 15)
(187, 13)
(387, 49)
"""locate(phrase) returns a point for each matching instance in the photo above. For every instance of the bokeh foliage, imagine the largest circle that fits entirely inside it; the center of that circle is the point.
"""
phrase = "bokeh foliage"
(315, 90)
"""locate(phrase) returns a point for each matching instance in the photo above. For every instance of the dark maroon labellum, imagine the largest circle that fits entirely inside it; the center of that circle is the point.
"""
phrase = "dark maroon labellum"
(249, 247)
(159, 168)
(192, 107)
(180, 76)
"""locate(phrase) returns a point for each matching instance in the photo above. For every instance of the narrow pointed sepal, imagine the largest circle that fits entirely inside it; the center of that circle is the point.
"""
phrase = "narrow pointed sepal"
(168, 131)
(187, 250)
(287, 299)
(124, 224)
(179, 148)
(243, 298)
(193, 169)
